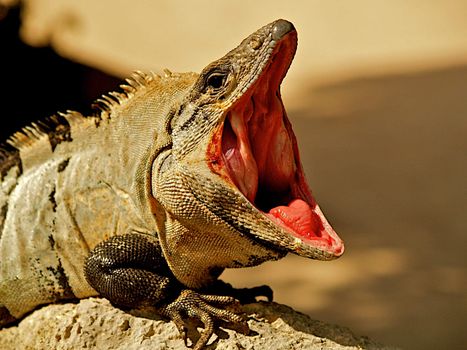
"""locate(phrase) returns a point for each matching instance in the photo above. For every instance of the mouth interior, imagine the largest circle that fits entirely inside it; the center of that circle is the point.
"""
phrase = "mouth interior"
(260, 153)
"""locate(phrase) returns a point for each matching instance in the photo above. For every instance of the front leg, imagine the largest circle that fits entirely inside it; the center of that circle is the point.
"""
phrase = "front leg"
(130, 270)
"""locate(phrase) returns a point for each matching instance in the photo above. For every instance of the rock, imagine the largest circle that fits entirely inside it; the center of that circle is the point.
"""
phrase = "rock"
(95, 324)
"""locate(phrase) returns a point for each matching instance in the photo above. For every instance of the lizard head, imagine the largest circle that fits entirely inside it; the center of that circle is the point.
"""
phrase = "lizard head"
(233, 129)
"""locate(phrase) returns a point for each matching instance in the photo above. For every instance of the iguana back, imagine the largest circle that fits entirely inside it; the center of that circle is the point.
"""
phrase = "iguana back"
(73, 181)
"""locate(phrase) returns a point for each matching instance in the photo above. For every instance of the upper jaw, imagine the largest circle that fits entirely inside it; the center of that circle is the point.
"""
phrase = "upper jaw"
(256, 53)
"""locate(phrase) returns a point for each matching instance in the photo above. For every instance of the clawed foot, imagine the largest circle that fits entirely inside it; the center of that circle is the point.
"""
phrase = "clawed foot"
(200, 306)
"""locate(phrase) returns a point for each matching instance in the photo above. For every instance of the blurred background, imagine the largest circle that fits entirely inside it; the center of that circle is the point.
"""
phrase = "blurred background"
(377, 96)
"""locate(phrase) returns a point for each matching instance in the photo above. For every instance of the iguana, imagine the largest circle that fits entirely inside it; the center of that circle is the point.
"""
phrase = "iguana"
(174, 179)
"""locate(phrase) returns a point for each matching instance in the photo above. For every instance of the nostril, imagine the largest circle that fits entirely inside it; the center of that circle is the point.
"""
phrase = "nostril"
(255, 43)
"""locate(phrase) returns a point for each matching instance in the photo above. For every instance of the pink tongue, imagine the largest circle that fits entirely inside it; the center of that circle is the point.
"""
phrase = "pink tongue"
(299, 217)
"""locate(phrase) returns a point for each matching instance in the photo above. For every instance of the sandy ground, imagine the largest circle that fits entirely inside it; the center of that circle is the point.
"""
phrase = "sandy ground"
(386, 158)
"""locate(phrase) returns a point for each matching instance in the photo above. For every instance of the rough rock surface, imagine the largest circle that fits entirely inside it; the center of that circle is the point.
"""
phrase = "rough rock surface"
(95, 324)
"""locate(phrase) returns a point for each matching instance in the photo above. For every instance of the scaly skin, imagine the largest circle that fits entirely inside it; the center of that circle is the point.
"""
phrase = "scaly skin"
(177, 178)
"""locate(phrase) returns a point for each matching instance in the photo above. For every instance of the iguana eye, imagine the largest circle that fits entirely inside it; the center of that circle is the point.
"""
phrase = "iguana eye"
(215, 80)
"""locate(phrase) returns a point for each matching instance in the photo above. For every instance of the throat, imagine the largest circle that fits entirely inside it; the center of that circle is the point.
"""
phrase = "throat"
(257, 147)
(191, 264)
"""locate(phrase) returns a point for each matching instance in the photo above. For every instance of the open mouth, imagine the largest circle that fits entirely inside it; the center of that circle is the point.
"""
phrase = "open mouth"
(259, 152)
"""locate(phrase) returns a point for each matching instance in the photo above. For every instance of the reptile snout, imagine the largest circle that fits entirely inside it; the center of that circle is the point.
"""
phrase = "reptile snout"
(281, 28)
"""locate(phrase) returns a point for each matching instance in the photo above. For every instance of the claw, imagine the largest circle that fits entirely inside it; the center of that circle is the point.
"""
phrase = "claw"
(177, 319)
(218, 299)
(208, 329)
(193, 304)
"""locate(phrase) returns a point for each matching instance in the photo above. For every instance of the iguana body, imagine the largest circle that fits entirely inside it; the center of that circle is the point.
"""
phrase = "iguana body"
(177, 178)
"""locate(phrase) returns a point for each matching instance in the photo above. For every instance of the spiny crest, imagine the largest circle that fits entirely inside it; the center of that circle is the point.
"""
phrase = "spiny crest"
(56, 128)
(108, 102)
(9, 158)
